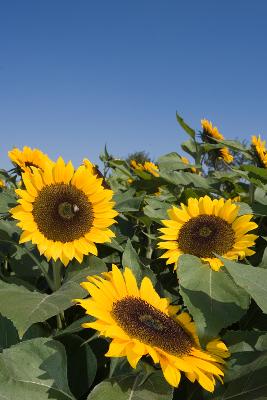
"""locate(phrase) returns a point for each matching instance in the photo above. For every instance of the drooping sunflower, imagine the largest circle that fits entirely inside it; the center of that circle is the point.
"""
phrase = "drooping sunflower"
(206, 227)
(148, 166)
(140, 323)
(210, 133)
(95, 171)
(27, 158)
(260, 150)
(64, 212)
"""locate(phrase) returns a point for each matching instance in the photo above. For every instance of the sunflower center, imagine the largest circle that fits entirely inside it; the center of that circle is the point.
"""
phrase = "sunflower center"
(63, 212)
(204, 235)
(142, 321)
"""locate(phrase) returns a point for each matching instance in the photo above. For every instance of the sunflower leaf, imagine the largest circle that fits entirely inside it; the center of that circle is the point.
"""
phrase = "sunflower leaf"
(245, 377)
(185, 127)
(25, 307)
(133, 387)
(131, 260)
(35, 369)
(212, 297)
(251, 279)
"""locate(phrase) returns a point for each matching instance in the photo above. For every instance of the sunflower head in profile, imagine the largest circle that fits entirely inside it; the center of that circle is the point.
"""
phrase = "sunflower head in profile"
(95, 171)
(148, 166)
(27, 158)
(259, 150)
(207, 227)
(140, 323)
(64, 212)
(226, 155)
(210, 132)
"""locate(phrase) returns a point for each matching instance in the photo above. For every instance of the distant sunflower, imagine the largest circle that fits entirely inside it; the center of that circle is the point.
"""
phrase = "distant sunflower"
(148, 166)
(27, 158)
(226, 155)
(95, 171)
(2, 183)
(64, 212)
(260, 150)
(210, 133)
(205, 227)
(140, 323)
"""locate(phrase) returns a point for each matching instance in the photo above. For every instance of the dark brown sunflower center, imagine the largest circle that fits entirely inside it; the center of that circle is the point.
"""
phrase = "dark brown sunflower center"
(142, 321)
(63, 212)
(205, 235)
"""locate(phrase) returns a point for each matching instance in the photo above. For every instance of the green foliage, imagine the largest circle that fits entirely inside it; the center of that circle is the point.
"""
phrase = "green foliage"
(45, 351)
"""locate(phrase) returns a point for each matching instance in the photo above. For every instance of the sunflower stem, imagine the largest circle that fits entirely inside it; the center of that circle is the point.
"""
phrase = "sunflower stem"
(56, 267)
(251, 193)
(149, 249)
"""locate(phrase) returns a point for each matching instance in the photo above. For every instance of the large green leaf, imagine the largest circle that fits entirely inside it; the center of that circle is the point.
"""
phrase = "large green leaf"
(171, 162)
(79, 354)
(126, 201)
(251, 279)
(133, 387)
(130, 259)
(35, 369)
(25, 307)
(8, 333)
(212, 297)
(246, 371)
(156, 209)
(185, 127)
(186, 179)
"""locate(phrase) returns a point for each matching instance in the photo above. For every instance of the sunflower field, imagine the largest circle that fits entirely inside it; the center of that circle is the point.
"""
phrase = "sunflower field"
(145, 281)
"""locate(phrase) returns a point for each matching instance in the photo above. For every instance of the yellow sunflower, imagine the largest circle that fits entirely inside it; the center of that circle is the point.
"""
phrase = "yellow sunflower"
(226, 155)
(27, 158)
(148, 166)
(206, 227)
(211, 131)
(64, 212)
(260, 150)
(2, 183)
(140, 323)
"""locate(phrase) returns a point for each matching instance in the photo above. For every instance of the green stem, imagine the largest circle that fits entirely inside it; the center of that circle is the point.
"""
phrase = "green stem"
(149, 249)
(56, 267)
(251, 193)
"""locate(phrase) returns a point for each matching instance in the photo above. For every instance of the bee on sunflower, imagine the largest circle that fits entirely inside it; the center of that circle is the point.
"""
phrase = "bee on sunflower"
(207, 227)
(211, 134)
(64, 211)
(141, 323)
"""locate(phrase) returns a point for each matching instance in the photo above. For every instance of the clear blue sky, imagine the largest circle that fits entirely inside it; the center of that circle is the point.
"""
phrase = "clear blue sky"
(75, 75)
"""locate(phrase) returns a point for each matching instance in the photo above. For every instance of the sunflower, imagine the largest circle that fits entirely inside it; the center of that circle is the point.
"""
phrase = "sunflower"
(148, 166)
(140, 323)
(64, 212)
(210, 131)
(2, 183)
(95, 171)
(226, 155)
(209, 134)
(207, 227)
(27, 158)
(259, 150)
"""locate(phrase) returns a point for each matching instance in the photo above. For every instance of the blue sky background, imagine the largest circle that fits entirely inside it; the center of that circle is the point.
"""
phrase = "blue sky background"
(75, 75)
